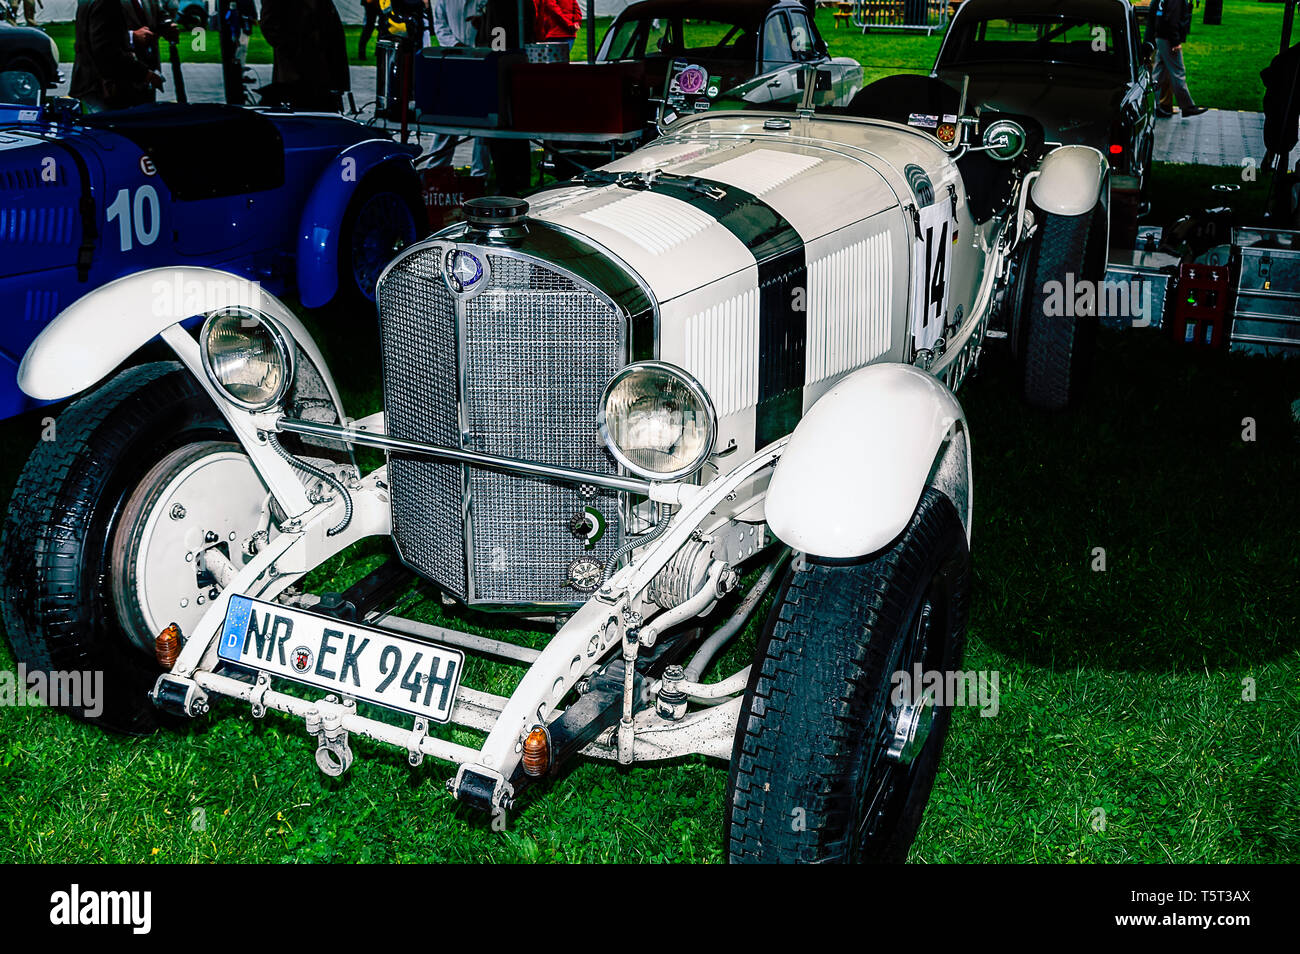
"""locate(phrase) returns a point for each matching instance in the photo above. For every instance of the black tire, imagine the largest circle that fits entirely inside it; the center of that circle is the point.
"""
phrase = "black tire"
(1055, 351)
(808, 759)
(56, 547)
(365, 247)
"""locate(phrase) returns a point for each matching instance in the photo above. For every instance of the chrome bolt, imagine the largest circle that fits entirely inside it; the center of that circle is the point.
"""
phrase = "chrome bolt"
(177, 512)
(184, 603)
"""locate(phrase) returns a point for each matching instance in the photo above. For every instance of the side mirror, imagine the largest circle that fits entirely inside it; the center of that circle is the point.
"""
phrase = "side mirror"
(1004, 140)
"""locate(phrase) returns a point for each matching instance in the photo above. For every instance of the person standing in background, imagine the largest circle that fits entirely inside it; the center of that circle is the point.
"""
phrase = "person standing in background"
(106, 72)
(29, 10)
(370, 8)
(1171, 21)
(456, 23)
(557, 20)
(311, 53)
(147, 20)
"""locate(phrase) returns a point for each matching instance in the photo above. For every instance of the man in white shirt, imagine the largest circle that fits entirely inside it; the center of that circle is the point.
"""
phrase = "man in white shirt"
(456, 23)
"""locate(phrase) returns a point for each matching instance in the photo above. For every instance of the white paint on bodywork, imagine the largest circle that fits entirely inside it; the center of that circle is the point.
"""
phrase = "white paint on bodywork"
(721, 345)
(656, 222)
(850, 301)
(855, 467)
(99, 331)
(759, 171)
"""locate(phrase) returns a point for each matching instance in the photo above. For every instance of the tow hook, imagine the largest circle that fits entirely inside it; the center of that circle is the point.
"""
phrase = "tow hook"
(333, 754)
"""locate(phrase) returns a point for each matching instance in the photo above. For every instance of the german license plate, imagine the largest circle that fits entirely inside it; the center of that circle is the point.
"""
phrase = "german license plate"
(352, 660)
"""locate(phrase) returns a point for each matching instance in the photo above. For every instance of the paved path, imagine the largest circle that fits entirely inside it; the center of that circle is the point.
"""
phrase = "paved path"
(1217, 138)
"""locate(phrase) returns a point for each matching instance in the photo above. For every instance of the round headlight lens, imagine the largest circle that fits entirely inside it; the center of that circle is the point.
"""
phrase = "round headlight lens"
(657, 421)
(246, 357)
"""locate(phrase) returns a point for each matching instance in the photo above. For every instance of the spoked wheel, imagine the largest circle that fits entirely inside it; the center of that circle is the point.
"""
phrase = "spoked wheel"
(837, 746)
(379, 223)
(124, 523)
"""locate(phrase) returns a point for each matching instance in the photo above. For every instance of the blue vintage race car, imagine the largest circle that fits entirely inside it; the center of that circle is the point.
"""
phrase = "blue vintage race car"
(308, 203)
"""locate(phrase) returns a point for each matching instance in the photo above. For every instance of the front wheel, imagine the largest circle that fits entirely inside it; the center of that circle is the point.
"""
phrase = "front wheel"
(835, 754)
(123, 523)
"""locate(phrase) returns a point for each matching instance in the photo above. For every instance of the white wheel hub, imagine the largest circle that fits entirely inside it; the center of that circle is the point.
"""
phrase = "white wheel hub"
(186, 525)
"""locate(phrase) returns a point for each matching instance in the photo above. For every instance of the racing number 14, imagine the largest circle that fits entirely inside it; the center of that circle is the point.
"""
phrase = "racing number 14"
(930, 267)
(138, 217)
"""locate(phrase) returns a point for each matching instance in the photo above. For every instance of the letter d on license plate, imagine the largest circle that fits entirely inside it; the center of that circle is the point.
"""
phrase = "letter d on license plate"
(352, 660)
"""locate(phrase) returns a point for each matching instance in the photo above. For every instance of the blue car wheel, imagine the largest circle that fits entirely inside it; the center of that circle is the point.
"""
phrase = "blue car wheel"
(384, 223)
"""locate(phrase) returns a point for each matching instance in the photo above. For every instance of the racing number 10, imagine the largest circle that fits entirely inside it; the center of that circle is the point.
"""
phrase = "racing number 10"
(138, 217)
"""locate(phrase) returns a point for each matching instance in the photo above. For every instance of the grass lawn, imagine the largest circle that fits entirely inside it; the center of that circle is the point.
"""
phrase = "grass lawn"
(1147, 711)
(1223, 62)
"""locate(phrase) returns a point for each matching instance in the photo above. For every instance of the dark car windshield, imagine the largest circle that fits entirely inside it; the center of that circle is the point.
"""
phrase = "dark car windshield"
(1026, 38)
(635, 39)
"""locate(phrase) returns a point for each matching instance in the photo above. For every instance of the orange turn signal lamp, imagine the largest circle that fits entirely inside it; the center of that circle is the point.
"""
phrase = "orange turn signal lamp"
(537, 751)
(167, 647)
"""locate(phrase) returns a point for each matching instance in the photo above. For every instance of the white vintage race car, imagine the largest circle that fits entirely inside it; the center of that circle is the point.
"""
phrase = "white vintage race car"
(728, 356)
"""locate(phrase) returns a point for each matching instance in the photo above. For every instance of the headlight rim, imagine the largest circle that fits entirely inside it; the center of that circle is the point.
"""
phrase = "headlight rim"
(697, 390)
(279, 337)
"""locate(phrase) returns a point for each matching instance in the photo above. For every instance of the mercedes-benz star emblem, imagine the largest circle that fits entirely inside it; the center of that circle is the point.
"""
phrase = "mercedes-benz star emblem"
(464, 271)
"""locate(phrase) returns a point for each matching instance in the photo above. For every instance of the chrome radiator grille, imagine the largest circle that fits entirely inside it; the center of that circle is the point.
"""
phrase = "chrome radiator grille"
(517, 371)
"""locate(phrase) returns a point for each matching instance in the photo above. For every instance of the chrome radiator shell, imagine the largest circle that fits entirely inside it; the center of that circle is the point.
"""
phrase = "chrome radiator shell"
(516, 370)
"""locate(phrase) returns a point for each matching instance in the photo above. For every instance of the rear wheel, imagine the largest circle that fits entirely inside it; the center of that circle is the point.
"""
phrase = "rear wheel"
(118, 527)
(835, 756)
(1052, 338)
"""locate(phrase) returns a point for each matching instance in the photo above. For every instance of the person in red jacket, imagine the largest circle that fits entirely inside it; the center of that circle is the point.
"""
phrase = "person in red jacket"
(557, 20)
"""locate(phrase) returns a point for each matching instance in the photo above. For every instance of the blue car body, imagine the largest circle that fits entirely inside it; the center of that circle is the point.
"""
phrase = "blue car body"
(265, 195)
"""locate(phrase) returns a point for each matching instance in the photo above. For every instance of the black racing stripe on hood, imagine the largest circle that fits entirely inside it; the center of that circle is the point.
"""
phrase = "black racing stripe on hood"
(780, 254)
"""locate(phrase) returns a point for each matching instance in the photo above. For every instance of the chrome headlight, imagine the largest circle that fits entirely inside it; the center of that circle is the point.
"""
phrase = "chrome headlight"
(657, 421)
(247, 357)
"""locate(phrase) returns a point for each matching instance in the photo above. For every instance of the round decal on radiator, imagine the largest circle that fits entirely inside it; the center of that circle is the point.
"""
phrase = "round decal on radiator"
(465, 272)
(585, 574)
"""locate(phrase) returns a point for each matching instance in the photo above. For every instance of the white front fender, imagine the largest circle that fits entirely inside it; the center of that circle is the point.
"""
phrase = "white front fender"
(854, 469)
(100, 330)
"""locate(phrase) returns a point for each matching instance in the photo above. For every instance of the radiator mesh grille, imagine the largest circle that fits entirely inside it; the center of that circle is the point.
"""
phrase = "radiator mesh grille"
(536, 353)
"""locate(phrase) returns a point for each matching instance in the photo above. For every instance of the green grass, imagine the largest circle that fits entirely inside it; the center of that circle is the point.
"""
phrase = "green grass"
(1223, 62)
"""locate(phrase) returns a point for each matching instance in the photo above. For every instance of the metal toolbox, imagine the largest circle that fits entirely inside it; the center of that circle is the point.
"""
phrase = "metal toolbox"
(1137, 285)
(1267, 315)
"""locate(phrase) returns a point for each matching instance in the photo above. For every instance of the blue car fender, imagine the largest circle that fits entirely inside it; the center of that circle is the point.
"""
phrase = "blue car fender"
(322, 216)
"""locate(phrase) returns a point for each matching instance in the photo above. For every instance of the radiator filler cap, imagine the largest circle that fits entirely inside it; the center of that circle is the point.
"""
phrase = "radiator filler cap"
(494, 211)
